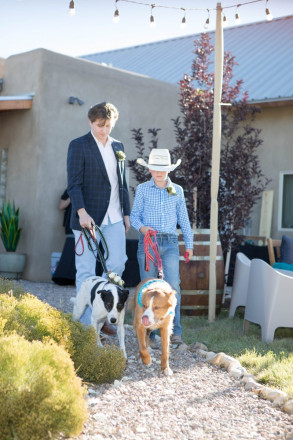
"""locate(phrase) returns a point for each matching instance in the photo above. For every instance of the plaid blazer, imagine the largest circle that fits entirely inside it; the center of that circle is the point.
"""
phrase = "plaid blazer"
(88, 184)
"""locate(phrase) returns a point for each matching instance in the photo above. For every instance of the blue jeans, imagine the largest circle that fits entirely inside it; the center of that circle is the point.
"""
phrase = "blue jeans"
(85, 264)
(169, 252)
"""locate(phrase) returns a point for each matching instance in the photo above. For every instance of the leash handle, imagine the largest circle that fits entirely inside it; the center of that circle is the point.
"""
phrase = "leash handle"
(154, 245)
(82, 246)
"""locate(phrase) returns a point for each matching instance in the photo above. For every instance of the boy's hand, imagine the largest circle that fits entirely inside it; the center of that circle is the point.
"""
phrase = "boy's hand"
(188, 254)
(85, 220)
(145, 229)
(126, 223)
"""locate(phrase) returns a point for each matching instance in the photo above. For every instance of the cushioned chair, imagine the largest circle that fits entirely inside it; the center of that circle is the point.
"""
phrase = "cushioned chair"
(269, 301)
(240, 283)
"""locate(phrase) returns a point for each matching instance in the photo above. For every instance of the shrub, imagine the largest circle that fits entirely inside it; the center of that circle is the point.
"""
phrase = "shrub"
(7, 285)
(35, 320)
(40, 395)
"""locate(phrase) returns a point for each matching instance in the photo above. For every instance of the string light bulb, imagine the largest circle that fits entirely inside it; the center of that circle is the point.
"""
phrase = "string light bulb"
(268, 12)
(71, 8)
(225, 21)
(152, 18)
(237, 17)
(183, 21)
(116, 17)
(207, 23)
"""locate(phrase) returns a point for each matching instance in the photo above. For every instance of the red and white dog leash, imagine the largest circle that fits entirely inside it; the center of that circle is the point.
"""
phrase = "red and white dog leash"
(147, 243)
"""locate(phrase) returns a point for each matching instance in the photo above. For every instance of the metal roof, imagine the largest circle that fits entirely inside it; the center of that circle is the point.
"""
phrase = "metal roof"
(262, 50)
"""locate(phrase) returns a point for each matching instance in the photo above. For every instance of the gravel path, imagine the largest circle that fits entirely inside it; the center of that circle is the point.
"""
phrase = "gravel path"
(199, 401)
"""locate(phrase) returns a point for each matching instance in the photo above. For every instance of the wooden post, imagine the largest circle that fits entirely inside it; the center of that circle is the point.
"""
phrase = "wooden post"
(215, 161)
(194, 206)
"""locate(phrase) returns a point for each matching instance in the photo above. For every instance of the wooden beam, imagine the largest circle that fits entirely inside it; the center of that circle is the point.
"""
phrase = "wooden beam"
(15, 104)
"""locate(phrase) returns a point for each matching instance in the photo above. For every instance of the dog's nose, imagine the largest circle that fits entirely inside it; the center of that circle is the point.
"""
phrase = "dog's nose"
(113, 320)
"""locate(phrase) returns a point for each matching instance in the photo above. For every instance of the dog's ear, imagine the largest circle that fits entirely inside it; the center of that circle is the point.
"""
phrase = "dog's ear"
(103, 294)
(171, 297)
(123, 294)
(170, 293)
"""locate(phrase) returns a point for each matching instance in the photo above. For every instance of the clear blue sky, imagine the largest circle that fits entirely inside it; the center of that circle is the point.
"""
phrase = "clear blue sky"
(30, 24)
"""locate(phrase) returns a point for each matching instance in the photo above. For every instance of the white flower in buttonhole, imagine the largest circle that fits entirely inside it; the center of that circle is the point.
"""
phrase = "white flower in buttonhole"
(171, 190)
(120, 155)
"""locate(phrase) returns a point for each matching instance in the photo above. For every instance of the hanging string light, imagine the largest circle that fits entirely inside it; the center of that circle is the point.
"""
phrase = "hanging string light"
(71, 8)
(225, 21)
(237, 17)
(268, 12)
(116, 17)
(152, 18)
(183, 22)
(207, 23)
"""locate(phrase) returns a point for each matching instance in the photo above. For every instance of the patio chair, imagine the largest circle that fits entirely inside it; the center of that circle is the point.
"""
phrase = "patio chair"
(240, 283)
(272, 245)
(269, 300)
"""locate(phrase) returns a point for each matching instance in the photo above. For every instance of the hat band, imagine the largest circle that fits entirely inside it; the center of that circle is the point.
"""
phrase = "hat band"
(161, 164)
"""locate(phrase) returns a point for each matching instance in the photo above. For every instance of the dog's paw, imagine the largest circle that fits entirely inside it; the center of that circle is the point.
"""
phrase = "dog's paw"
(99, 344)
(167, 372)
(146, 360)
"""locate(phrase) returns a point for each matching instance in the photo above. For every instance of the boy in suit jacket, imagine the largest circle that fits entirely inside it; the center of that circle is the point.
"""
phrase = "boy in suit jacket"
(98, 192)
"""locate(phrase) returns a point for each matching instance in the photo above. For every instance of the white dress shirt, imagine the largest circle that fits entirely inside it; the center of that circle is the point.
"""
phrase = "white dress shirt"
(114, 212)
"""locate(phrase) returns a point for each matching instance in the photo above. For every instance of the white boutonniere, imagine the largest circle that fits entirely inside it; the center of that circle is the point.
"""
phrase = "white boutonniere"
(171, 190)
(115, 279)
(120, 155)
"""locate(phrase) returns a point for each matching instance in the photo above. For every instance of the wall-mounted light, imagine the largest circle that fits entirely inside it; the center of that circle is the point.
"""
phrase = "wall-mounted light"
(73, 99)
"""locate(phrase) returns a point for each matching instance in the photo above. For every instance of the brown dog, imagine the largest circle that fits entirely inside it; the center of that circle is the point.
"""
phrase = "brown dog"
(155, 303)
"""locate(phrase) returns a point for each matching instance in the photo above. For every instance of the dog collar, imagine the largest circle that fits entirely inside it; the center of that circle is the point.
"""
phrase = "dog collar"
(143, 287)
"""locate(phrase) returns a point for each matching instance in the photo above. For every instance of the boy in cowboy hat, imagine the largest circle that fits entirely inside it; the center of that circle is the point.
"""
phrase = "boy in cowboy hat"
(159, 205)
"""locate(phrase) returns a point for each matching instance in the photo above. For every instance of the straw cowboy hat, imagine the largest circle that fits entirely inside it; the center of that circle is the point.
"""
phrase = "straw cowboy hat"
(159, 160)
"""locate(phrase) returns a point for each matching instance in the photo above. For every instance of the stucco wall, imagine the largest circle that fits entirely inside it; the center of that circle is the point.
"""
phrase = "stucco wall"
(38, 139)
(275, 155)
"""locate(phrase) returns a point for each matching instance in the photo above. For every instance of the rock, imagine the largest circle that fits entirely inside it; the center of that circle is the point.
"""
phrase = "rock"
(197, 346)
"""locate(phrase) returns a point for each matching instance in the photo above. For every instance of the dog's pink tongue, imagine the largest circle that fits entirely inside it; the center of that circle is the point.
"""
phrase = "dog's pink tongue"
(145, 321)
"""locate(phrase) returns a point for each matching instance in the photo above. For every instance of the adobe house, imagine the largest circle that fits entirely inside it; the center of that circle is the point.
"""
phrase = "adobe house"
(45, 97)
(44, 102)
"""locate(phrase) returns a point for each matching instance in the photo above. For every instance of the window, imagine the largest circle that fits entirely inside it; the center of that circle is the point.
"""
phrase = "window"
(286, 201)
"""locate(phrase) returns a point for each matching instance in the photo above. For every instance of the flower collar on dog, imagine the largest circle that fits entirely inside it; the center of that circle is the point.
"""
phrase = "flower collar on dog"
(143, 287)
(114, 278)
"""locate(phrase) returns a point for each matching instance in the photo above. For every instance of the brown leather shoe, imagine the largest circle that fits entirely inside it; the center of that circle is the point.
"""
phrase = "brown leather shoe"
(109, 329)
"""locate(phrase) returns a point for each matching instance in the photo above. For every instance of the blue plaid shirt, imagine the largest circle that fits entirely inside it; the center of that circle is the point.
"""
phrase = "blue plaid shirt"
(156, 208)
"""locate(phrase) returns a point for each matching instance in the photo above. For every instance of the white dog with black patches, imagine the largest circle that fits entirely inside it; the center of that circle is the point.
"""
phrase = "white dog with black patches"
(107, 302)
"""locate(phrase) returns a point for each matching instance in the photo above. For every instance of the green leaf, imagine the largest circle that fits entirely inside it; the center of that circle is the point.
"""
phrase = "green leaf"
(9, 231)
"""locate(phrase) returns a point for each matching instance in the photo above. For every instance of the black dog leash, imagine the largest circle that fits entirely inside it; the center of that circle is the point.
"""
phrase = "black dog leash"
(91, 234)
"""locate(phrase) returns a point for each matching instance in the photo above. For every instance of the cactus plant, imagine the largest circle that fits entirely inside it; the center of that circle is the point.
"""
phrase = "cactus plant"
(10, 232)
